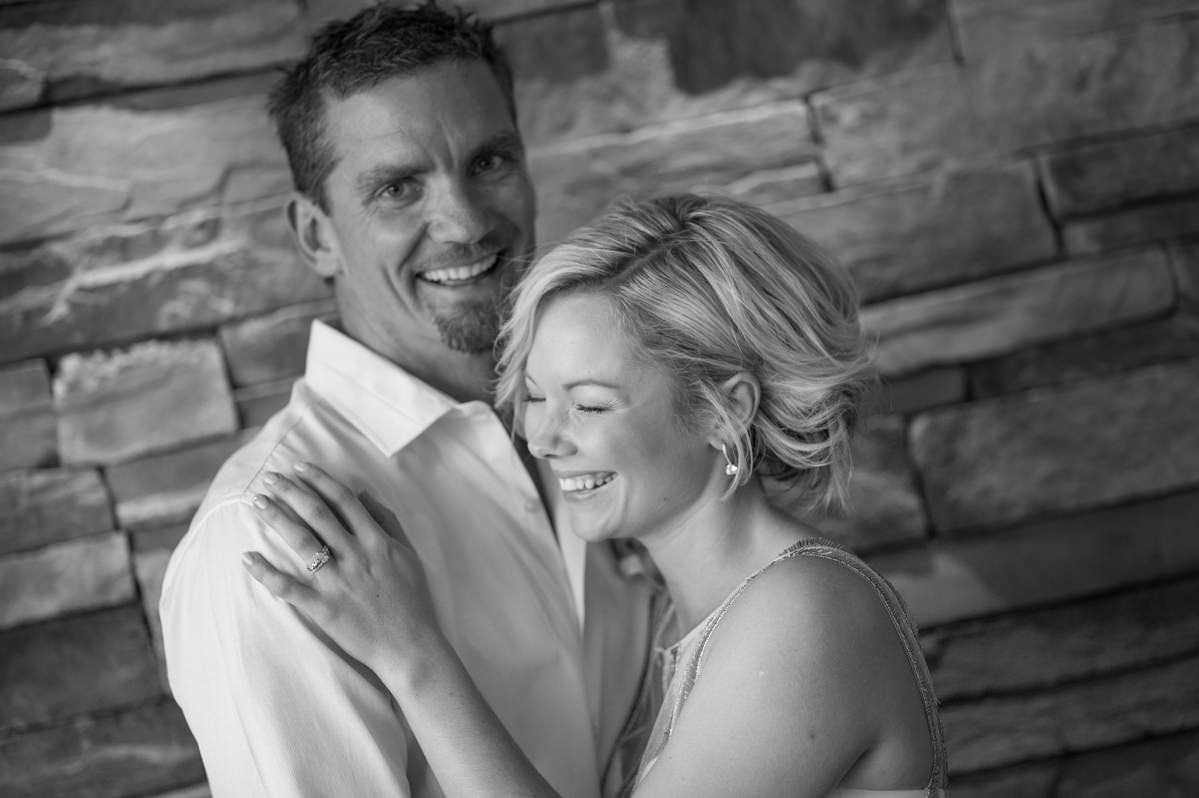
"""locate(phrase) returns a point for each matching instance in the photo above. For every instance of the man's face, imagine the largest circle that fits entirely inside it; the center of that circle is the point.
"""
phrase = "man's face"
(431, 210)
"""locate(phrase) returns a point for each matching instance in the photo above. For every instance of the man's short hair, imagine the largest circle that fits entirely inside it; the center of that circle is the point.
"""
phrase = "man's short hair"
(348, 56)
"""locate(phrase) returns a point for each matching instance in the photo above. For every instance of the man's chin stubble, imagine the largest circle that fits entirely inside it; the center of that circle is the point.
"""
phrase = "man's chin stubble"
(471, 329)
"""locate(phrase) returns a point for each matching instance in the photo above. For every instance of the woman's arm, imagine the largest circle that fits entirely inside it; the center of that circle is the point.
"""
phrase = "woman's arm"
(370, 597)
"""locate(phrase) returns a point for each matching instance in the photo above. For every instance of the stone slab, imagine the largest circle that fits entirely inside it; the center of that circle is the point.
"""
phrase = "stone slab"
(27, 427)
(988, 26)
(1108, 711)
(579, 178)
(1160, 766)
(150, 568)
(884, 505)
(1020, 98)
(1067, 643)
(1040, 563)
(76, 167)
(49, 506)
(992, 317)
(116, 406)
(53, 671)
(1108, 174)
(83, 574)
(1099, 355)
(257, 403)
(142, 751)
(1142, 224)
(111, 285)
(159, 538)
(774, 186)
(167, 488)
(923, 390)
(272, 347)
(1184, 258)
(57, 50)
(907, 235)
(646, 62)
(1101, 442)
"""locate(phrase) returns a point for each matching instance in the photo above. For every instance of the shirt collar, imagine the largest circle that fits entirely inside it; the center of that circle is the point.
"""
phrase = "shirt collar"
(387, 404)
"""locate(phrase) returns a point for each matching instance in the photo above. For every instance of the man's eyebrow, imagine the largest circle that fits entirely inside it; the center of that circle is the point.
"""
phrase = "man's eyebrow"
(367, 182)
(504, 140)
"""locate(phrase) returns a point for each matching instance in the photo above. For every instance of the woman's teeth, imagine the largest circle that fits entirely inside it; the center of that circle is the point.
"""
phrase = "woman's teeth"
(456, 274)
(589, 482)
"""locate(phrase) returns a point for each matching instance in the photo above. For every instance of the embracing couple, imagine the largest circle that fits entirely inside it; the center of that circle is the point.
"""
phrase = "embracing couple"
(530, 528)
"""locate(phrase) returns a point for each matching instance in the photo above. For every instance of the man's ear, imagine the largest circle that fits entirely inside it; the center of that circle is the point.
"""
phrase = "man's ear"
(315, 237)
(742, 393)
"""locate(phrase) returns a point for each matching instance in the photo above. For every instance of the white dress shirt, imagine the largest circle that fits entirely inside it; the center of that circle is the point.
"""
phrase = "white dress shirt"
(279, 710)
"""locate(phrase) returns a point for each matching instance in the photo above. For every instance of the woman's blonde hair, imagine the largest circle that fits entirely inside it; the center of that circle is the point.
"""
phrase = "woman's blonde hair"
(710, 287)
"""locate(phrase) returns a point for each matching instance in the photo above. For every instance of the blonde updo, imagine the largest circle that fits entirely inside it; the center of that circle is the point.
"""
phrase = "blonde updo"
(711, 287)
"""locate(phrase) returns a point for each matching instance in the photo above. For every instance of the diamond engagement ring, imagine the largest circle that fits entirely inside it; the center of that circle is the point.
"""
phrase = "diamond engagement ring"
(323, 556)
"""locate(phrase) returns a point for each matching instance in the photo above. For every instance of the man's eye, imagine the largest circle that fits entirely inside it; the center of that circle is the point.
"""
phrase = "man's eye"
(491, 162)
(397, 192)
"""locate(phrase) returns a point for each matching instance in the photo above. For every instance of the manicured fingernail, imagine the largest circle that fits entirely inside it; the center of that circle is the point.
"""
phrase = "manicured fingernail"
(300, 466)
(260, 501)
(271, 478)
(247, 559)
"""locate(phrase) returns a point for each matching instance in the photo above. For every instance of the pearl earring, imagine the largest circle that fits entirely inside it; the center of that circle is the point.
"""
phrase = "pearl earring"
(730, 467)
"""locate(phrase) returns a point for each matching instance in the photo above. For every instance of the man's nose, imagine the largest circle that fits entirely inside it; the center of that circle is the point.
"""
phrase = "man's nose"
(458, 216)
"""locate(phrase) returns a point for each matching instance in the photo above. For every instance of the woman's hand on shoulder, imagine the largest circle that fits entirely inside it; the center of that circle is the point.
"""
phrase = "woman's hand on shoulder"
(361, 585)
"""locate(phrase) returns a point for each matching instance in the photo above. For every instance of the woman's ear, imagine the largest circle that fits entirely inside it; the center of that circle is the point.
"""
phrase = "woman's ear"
(315, 237)
(742, 393)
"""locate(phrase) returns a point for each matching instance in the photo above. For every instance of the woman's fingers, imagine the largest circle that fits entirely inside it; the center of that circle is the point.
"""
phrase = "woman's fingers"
(342, 500)
(311, 509)
(295, 533)
(300, 596)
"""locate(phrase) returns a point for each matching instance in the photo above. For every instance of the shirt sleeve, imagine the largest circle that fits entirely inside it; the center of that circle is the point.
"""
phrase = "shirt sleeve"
(276, 708)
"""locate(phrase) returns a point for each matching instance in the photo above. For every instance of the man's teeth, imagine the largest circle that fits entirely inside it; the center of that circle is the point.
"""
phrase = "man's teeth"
(589, 482)
(455, 274)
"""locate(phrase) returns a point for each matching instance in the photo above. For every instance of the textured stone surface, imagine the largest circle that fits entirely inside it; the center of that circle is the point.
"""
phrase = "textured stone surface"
(916, 392)
(1108, 174)
(1066, 643)
(81, 574)
(272, 347)
(884, 506)
(1018, 98)
(578, 179)
(653, 63)
(1160, 767)
(961, 223)
(1159, 221)
(1036, 780)
(159, 538)
(115, 284)
(65, 50)
(48, 506)
(156, 395)
(142, 751)
(257, 403)
(1115, 709)
(74, 167)
(1040, 563)
(1102, 354)
(995, 316)
(1104, 441)
(196, 791)
(987, 26)
(27, 431)
(150, 567)
(52, 671)
(167, 488)
(1184, 258)
(779, 185)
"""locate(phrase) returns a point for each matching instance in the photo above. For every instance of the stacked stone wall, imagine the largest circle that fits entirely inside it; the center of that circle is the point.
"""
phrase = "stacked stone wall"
(1014, 184)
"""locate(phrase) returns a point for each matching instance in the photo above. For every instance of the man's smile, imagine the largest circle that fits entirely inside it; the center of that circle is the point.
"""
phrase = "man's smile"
(459, 275)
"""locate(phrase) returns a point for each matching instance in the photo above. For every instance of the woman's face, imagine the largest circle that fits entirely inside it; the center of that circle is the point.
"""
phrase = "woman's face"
(607, 423)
